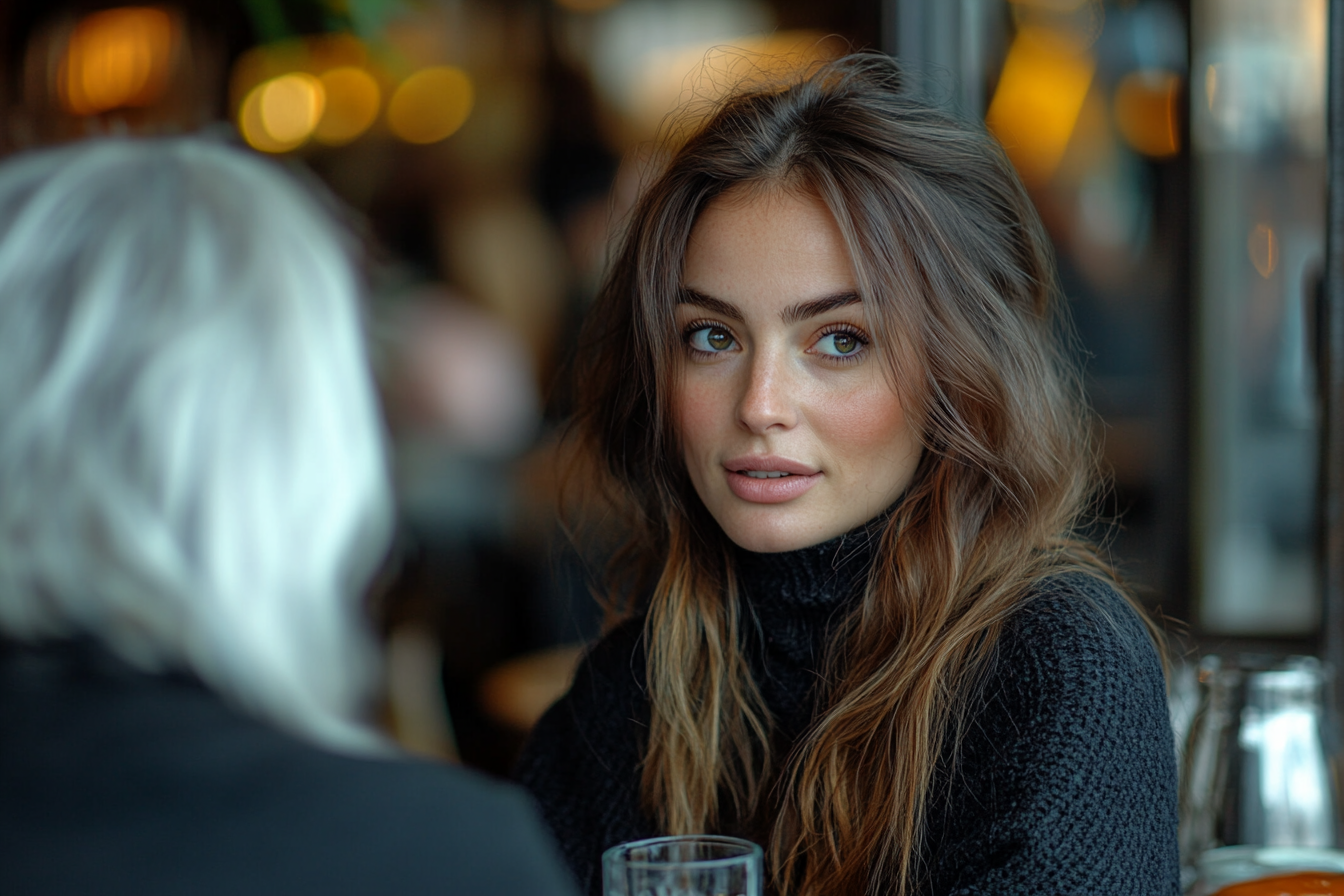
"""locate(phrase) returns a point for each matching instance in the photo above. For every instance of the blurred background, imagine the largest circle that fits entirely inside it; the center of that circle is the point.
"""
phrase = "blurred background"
(485, 150)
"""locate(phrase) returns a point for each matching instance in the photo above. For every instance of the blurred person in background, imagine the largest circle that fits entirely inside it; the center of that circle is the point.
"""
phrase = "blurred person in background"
(854, 620)
(193, 497)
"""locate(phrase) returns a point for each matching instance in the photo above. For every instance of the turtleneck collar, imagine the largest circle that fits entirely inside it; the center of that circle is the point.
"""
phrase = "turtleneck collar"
(793, 602)
(820, 577)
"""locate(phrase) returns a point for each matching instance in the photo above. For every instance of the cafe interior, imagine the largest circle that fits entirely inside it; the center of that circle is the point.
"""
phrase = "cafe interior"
(1180, 153)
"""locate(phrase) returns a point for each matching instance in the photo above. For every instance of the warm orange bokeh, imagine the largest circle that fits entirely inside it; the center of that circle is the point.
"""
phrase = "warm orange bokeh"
(431, 104)
(1263, 248)
(1040, 94)
(353, 101)
(117, 58)
(1305, 883)
(1147, 112)
(280, 114)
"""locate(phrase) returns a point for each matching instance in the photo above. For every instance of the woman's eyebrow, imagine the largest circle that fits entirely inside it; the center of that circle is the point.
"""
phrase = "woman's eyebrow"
(791, 315)
(709, 303)
(803, 310)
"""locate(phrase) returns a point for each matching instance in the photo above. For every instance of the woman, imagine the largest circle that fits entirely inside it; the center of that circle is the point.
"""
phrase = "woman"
(823, 372)
(192, 499)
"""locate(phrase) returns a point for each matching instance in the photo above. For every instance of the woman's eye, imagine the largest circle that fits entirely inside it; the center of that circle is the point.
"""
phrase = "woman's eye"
(840, 344)
(711, 339)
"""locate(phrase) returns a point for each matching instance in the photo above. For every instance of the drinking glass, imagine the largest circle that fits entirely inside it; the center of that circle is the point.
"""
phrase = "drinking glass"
(693, 865)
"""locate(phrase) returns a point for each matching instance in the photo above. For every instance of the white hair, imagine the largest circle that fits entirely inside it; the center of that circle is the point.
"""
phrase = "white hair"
(192, 465)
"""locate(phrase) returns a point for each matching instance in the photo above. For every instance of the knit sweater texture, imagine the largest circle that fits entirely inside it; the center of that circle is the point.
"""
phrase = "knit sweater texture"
(1065, 782)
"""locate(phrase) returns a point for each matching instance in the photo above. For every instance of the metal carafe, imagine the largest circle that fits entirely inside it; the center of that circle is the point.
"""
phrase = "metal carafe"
(1256, 766)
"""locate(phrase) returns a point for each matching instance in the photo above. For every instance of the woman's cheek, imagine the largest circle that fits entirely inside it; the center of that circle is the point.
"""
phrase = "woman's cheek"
(697, 409)
(863, 417)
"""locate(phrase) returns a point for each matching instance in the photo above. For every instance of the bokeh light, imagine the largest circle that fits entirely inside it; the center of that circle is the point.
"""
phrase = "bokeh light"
(336, 50)
(117, 58)
(352, 103)
(324, 88)
(1045, 79)
(262, 63)
(431, 104)
(667, 77)
(280, 114)
(1147, 112)
(1263, 248)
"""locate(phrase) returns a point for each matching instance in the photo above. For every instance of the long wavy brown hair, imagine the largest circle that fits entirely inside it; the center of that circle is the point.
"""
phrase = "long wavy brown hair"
(957, 280)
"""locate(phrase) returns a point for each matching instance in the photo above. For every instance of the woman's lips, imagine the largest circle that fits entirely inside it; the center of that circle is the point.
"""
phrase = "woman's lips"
(774, 488)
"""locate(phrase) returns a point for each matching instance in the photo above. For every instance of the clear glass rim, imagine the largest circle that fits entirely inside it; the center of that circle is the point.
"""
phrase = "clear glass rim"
(621, 850)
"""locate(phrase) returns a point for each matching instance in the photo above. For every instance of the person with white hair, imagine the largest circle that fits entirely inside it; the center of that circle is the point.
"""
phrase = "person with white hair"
(193, 496)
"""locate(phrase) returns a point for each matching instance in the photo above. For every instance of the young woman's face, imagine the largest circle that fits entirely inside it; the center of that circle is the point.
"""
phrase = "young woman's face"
(790, 430)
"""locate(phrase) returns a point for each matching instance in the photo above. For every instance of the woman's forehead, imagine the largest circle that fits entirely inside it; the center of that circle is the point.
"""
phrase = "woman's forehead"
(768, 256)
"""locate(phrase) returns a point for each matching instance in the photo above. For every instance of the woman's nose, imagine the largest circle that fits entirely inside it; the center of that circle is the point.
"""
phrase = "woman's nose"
(767, 399)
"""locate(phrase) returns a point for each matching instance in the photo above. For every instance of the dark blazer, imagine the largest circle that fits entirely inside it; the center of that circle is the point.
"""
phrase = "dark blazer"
(113, 781)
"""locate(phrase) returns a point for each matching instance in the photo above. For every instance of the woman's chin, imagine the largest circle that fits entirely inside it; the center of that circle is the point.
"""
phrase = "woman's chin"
(772, 539)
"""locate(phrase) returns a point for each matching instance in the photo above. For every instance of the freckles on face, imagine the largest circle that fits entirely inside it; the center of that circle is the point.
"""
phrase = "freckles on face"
(865, 420)
(790, 430)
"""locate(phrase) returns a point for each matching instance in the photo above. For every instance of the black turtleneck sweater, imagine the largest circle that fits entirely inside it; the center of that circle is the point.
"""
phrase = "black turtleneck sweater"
(1066, 778)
